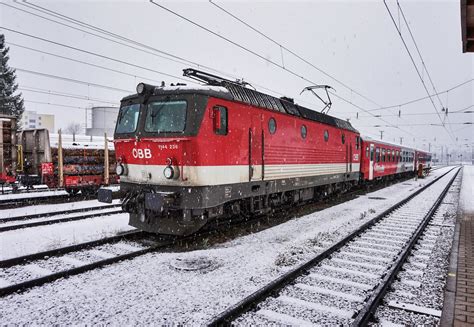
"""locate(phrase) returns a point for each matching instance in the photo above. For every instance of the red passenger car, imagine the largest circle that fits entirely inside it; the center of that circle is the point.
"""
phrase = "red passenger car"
(385, 160)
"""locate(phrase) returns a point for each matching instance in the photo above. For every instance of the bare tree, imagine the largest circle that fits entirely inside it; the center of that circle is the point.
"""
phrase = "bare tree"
(73, 128)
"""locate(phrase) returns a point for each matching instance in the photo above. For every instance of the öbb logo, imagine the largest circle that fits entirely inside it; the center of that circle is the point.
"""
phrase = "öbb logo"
(141, 153)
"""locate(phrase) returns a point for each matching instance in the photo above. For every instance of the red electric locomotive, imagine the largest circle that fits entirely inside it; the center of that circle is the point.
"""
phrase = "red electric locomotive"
(188, 155)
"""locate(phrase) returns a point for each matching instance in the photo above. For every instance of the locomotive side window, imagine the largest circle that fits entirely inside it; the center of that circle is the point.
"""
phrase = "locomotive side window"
(220, 120)
(326, 135)
(166, 116)
(358, 144)
(304, 131)
(343, 138)
(272, 125)
(128, 119)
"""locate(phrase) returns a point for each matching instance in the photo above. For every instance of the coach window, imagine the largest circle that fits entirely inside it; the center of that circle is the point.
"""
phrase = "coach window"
(393, 155)
(383, 155)
(367, 152)
(304, 131)
(272, 125)
(326, 135)
(372, 154)
(377, 154)
(220, 120)
(343, 138)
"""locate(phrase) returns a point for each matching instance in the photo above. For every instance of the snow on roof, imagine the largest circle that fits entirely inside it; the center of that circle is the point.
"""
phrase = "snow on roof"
(368, 138)
(194, 88)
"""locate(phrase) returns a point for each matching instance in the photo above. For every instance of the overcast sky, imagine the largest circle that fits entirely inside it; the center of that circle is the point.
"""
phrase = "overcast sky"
(355, 42)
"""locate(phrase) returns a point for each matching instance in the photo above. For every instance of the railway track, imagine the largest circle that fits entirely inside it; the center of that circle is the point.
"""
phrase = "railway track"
(21, 273)
(345, 284)
(37, 199)
(34, 220)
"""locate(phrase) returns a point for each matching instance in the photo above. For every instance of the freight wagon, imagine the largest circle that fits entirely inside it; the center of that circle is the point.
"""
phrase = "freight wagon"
(62, 161)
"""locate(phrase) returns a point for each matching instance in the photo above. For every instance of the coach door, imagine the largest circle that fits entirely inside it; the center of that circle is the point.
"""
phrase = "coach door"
(371, 162)
(256, 140)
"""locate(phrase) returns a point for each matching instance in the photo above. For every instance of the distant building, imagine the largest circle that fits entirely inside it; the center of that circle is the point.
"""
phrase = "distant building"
(102, 121)
(32, 119)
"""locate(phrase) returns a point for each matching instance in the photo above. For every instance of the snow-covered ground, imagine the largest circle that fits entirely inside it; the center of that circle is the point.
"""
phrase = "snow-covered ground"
(466, 201)
(155, 289)
(32, 195)
(51, 208)
(36, 239)
(46, 193)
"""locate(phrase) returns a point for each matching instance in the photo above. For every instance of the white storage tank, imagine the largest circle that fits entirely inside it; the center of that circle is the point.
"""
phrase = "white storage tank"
(103, 120)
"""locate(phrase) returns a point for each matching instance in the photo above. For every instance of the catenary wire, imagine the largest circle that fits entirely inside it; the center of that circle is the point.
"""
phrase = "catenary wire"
(414, 64)
(263, 58)
(294, 53)
(71, 80)
(419, 53)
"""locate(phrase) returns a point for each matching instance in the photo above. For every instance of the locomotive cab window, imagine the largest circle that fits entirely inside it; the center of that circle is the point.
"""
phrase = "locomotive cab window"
(128, 119)
(272, 125)
(166, 116)
(220, 120)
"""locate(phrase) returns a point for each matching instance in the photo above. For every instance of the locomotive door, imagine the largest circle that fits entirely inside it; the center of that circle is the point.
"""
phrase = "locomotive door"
(371, 163)
(347, 158)
(256, 139)
(350, 157)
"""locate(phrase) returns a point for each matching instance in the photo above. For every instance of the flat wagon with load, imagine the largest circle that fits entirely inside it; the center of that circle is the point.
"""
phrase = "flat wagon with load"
(78, 163)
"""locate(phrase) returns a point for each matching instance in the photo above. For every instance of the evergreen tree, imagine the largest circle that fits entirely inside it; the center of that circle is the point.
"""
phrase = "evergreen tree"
(10, 104)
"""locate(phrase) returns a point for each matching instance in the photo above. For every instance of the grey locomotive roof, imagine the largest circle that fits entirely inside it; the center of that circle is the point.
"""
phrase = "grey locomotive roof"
(234, 92)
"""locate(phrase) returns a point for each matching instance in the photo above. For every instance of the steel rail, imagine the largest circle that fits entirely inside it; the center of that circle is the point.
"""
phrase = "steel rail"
(227, 316)
(56, 213)
(365, 315)
(68, 249)
(53, 199)
(78, 270)
(58, 220)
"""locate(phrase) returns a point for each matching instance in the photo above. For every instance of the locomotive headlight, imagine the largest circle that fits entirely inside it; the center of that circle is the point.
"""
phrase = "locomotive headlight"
(120, 169)
(168, 172)
(141, 88)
